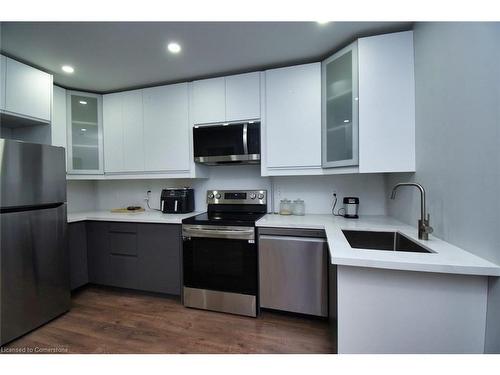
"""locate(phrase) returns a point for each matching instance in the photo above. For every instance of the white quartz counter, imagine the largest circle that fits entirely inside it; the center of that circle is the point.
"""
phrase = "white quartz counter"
(137, 217)
(446, 258)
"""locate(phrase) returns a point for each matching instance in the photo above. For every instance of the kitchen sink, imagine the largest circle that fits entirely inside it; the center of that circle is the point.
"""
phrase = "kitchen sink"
(388, 241)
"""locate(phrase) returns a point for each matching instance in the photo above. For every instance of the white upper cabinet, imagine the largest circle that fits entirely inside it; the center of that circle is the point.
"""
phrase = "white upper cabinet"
(386, 103)
(340, 108)
(369, 105)
(84, 131)
(58, 127)
(166, 128)
(27, 91)
(133, 131)
(112, 132)
(243, 97)
(3, 63)
(209, 101)
(293, 118)
(123, 132)
(231, 98)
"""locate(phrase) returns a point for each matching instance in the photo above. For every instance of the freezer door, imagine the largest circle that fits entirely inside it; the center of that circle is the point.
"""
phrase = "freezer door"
(34, 270)
(31, 174)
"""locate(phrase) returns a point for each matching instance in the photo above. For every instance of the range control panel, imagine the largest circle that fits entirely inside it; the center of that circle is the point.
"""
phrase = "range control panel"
(237, 197)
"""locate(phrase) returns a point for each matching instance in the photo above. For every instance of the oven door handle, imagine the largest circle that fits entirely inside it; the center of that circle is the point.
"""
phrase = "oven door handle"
(237, 233)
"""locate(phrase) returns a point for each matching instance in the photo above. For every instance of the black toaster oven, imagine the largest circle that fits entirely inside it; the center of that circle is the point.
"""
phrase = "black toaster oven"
(177, 200)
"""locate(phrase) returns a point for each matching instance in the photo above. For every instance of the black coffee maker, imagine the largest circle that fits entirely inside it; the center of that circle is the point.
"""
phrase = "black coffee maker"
(177, 200)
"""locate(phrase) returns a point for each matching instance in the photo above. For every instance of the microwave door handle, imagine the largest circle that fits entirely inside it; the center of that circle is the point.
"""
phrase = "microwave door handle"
(245, 138)
(175, 206)
(162, 204)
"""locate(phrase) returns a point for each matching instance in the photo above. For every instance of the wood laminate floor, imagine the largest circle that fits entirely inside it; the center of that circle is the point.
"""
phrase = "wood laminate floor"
(104, 320)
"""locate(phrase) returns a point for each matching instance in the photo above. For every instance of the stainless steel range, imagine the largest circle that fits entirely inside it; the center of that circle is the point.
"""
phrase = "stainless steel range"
(220, 252)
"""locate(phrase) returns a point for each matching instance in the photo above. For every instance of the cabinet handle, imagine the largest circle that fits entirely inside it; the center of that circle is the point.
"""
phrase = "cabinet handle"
(245, 138)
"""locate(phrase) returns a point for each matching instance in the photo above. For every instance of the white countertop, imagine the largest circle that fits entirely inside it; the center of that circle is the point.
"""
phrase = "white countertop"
(446, 258)
(137, 217)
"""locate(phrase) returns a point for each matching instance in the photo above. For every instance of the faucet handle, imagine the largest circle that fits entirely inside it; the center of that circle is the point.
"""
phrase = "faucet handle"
(428, 228)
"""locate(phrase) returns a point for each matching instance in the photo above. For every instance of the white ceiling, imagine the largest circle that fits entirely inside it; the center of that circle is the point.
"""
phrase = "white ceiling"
(111, 56)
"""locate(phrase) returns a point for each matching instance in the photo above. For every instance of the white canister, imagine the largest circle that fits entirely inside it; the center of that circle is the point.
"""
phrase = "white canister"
(286, 207)
(299, 207)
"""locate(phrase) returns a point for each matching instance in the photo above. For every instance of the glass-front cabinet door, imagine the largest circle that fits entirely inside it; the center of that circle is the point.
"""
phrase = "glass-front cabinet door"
(85, 142)
(340, 108)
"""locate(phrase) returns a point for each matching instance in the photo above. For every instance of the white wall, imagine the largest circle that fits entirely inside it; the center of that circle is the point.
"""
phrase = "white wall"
(122, 193)
(316, 191)
(35, 134)
(81, 196)
(457, 73)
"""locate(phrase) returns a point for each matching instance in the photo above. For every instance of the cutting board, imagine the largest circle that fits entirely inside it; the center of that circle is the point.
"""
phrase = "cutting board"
(125, 211)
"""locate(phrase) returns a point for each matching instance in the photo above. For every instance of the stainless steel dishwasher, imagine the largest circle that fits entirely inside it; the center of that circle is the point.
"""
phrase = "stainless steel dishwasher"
(293, 270)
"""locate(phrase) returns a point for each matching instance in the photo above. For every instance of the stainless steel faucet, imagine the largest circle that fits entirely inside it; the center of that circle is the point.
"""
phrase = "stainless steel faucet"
(424, 227)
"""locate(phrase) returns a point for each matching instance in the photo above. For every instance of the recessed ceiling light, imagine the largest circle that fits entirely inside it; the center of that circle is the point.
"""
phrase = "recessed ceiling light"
(174, 47)
(83, 102)
(323, 22)
(67, 69)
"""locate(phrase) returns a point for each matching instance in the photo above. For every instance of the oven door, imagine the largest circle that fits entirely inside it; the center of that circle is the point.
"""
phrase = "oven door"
(220, 258)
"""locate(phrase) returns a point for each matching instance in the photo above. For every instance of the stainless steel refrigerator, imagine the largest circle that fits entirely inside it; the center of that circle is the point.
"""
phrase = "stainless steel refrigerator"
(34, 266)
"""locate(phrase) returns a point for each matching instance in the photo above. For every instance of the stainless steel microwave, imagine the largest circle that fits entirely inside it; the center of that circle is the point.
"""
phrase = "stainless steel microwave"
(227, 143)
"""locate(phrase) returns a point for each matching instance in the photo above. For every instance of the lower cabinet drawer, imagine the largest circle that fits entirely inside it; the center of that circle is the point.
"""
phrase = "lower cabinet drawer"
(124, 271)
(123, 243)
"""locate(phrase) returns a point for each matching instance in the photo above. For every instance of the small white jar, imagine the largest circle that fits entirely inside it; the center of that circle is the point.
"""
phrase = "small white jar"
(286, 207)
(299, 207)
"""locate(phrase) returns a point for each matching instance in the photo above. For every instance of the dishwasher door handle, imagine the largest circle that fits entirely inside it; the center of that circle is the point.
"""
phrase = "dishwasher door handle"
(291, 238)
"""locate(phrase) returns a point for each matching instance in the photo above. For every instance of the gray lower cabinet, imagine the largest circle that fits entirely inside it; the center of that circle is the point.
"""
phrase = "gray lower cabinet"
(160, 258)
(77, 246)
(135, 255)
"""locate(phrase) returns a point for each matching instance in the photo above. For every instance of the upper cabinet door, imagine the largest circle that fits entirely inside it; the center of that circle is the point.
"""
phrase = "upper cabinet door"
(209, 101)
(386, 103)
(340, 108)
(28, 91)
(113, 132)
(3, 63)
(243, 97)
(123, 132)
(85, 143)
(293, 117)
(133, 131)
(166, 128)
(59, 128)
